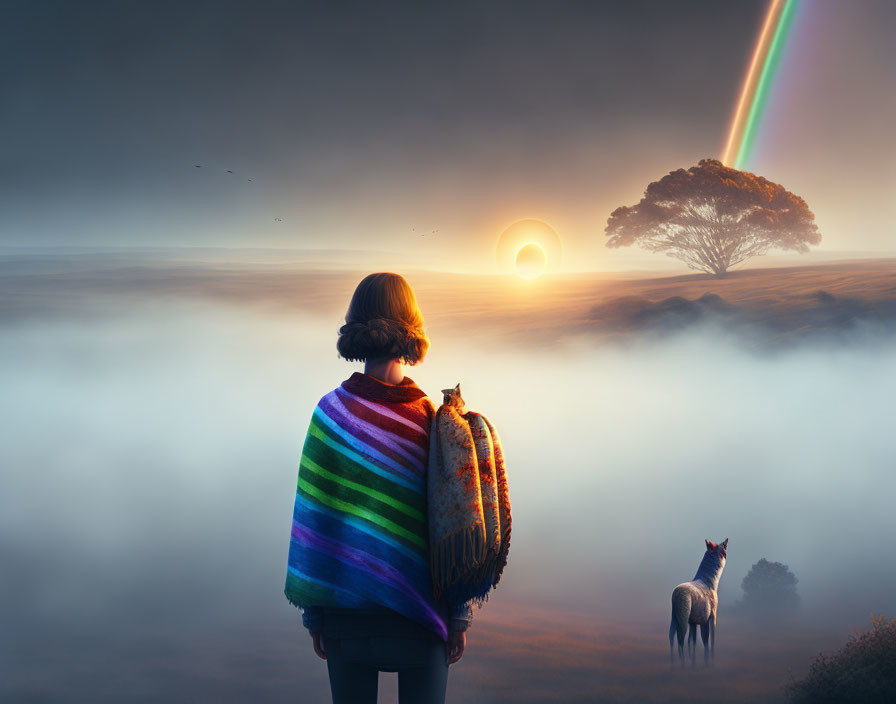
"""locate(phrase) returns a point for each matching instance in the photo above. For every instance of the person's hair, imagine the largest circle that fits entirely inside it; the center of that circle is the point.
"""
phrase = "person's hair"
(383, 322)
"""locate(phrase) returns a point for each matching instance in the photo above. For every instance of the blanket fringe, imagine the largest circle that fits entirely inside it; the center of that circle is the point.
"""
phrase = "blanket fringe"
(455, 556)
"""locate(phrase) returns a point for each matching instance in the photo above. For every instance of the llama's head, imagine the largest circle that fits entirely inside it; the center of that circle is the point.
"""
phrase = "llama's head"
(721, 549)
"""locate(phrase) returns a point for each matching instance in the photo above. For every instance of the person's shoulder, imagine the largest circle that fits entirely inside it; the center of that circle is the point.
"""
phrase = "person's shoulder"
(330, 396)
(429, 405)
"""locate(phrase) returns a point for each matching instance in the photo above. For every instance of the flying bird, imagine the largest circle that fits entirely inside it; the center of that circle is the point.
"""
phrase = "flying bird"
(277, 220)
(198, 166)
(229, 171)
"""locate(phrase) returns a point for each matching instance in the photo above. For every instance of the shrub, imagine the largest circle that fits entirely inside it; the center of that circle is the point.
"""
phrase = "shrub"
(862, 672)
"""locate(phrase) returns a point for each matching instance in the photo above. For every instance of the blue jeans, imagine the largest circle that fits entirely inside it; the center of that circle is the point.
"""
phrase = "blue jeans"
(361, 645)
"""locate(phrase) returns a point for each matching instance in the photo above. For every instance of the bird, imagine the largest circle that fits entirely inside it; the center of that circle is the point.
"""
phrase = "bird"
(198, 166)
(229, 171)
(277, 220)
(248, 179)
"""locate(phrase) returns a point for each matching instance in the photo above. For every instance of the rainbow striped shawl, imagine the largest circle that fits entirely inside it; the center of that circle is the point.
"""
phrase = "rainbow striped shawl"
(359, 531)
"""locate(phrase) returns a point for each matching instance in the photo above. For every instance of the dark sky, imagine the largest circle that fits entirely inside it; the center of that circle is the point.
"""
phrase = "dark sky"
(360, 124)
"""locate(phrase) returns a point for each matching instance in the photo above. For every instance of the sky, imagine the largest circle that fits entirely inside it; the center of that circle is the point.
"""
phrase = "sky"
(363, 125)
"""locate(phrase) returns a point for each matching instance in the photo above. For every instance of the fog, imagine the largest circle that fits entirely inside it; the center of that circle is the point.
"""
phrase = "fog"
(150, 455)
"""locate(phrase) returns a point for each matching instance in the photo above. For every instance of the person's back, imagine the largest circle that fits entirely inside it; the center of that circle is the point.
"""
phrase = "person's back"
(359, 549)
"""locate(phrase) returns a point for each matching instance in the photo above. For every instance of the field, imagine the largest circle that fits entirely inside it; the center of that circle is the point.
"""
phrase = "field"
(773, 306)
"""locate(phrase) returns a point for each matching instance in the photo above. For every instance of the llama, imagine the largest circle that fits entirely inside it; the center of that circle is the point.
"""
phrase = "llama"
(696, 603)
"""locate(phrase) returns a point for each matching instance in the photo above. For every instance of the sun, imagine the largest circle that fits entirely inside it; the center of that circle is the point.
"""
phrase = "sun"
(530, 260)
(528, 247)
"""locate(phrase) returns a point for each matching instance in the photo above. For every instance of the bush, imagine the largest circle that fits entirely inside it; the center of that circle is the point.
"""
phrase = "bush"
(862, 672)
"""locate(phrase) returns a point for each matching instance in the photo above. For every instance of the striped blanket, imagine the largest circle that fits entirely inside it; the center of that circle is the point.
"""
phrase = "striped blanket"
(359, 531)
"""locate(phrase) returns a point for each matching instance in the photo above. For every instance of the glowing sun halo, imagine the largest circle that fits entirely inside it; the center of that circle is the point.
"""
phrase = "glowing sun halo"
(529, 248)
(530, 260)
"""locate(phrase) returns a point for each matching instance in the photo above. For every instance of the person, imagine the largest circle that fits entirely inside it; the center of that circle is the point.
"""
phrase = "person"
(358, 564)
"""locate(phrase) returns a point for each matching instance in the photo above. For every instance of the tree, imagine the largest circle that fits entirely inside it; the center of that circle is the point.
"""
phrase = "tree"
(712, 217)
(769, 588)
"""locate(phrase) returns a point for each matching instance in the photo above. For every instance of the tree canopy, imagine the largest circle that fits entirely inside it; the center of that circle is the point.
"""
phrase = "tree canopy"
(770, 586)
(712, 217)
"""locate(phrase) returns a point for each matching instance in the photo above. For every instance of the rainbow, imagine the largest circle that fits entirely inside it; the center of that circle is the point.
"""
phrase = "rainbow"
(757, 85)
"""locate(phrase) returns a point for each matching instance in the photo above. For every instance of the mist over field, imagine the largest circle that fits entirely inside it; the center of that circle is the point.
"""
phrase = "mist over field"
(154, 419)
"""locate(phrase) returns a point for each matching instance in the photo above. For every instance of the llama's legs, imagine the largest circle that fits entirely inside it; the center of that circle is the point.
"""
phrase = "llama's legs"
(680, 630)
(704, 634)
(692, 644)
(672, 630)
